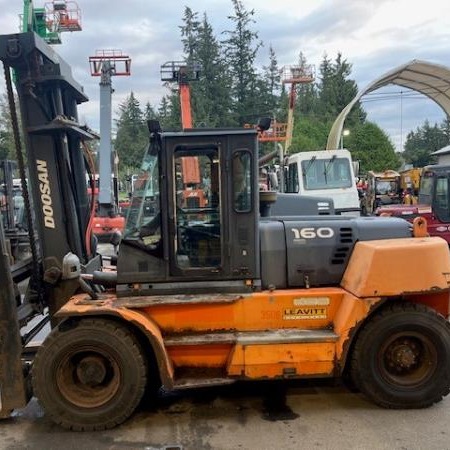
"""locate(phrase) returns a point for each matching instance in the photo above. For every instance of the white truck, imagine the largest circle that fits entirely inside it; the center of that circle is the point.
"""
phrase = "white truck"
(327, 173)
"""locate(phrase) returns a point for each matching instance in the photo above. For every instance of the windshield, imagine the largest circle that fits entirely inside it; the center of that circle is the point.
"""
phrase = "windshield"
(144, 212)
(329, 173)
(386, 187)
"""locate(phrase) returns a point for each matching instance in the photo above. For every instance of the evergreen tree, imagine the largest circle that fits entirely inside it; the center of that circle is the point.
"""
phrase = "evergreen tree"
(336, 90)
(445, 126)
(211, 95)
(169, 111)
(269, 87)
(149, 112)
(420, 144)
(306, 104)
(326, 106)
(164, 110)
(132, 136)
(189, 34)
(241, 47)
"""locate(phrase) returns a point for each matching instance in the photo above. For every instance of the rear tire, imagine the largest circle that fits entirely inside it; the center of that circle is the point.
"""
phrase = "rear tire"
(90, 376)
(401, 358)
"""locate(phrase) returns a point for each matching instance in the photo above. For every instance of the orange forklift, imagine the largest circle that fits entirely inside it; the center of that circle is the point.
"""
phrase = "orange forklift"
(209, 296)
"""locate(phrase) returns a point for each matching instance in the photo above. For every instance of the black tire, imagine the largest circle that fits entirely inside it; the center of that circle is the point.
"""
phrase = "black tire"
(401, 358)
(90, 376)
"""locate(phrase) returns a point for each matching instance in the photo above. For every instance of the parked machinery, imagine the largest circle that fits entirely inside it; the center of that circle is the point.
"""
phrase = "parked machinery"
(433, 202)
(382, 188)
(215, 293)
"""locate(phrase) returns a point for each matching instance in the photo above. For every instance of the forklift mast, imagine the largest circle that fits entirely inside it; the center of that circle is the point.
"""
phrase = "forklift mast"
(56, 167)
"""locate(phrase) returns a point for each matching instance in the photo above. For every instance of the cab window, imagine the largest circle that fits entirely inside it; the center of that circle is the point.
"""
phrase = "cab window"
(442, 200)
(197, 242)
(242, 181)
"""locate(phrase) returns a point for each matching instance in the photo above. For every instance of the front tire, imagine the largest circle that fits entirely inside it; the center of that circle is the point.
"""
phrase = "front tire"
(90, 375)
(401, 358)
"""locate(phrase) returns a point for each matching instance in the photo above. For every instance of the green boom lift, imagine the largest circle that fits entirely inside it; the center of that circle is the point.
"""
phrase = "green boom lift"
(50, 21)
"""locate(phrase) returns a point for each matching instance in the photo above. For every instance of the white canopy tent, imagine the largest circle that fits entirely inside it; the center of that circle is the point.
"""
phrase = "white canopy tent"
(429, 79)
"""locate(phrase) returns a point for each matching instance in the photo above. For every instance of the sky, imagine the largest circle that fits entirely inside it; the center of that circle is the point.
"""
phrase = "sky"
(375, 36)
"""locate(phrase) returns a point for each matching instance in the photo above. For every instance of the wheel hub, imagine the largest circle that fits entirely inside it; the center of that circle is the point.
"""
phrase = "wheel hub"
(91, 371)
(404, 356)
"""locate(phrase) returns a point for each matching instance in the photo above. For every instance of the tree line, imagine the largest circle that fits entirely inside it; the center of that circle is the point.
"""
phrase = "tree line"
(233, 91)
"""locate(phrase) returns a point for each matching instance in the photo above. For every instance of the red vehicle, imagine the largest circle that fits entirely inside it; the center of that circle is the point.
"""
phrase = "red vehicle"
(433, 202)
(103, 226)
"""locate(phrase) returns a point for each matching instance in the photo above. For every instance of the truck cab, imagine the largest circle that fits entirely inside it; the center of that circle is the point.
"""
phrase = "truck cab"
(327, 173)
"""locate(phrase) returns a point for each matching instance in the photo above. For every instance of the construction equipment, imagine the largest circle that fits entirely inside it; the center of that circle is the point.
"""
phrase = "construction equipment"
(210, 295)
(106, 64)
(56, 17)
(410, 180)
(324, 173)
(433, 203)
(382, 188)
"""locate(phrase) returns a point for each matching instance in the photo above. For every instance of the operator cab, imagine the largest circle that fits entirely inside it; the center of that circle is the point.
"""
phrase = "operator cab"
(193, 215)
(434, 191)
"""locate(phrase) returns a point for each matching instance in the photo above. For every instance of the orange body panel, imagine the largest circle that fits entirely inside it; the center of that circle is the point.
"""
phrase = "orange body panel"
(269, 334)
(298, 309)
(275, 361)
(200, 355)
(351, 312)
(377, 268)
(258, 311)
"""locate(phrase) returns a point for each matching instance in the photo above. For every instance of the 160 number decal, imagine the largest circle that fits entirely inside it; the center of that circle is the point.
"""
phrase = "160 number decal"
(312, 233)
